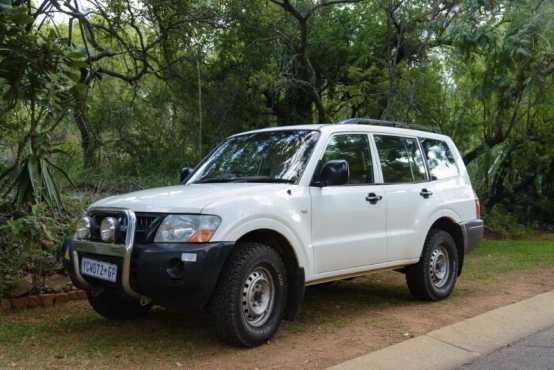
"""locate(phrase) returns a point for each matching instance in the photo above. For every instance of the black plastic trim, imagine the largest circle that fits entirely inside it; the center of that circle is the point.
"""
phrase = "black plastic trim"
(473, 233)
(159, 272)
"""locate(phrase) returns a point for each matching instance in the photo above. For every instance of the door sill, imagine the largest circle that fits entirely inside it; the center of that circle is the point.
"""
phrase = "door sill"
(359, 271)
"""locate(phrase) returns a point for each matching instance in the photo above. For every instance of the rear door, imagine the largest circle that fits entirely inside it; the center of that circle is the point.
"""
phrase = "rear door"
(409, 195)
(348, 221)
(451, 189)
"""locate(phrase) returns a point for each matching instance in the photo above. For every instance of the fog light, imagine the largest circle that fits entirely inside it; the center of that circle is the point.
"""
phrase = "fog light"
(175, 269)
(108, 229)
(82, 231)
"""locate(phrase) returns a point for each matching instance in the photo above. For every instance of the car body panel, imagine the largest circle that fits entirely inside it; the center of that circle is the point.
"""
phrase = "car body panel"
(390, 234)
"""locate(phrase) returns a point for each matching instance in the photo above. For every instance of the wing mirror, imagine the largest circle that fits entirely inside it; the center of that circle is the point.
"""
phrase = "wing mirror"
(334, 173)
(185, 174)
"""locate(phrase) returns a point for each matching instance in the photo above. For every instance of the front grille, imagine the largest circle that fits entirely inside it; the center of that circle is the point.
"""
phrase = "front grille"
(147, 225)
(98, 216)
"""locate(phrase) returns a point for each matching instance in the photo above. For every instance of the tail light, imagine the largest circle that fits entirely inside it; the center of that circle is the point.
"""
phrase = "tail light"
(477, 208)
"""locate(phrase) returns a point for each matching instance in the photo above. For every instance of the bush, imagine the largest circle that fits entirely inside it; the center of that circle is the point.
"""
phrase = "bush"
(29, 243)
(502, 224)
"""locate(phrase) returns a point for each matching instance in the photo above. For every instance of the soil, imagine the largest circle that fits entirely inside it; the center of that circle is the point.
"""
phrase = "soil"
(339, 322)
(379, 323)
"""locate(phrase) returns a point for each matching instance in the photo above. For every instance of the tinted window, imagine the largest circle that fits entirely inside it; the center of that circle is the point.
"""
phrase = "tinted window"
(401, 159)
(440, 160)
(353, 148)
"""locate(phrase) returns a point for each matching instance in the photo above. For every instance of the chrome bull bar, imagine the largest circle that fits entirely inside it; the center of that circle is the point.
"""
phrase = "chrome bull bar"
(125, 251)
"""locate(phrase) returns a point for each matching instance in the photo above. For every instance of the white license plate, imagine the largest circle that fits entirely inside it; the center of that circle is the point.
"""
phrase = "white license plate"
(99, 270)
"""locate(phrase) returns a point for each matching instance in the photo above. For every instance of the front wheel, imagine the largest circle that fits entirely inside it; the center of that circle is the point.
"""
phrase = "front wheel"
(434, 276)
(250, 299)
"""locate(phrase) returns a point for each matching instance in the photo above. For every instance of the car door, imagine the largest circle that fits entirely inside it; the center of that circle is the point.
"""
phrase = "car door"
(409, 195)
(348, 230)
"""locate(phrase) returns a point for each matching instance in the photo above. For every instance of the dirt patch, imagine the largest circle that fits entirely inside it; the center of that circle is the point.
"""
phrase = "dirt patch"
(339, 322)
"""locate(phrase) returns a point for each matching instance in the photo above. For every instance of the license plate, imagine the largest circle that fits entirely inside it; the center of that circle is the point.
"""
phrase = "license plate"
(99, 270)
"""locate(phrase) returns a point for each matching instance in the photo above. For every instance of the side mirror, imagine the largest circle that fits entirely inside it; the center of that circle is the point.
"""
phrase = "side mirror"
(185, 174)
(333, 173)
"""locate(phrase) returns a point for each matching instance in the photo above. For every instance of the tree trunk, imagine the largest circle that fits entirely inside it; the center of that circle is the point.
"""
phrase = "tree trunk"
(88, 144)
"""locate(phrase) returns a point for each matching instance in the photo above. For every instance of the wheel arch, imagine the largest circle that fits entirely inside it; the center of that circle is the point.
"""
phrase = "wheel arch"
(449, 225)
(295, 272)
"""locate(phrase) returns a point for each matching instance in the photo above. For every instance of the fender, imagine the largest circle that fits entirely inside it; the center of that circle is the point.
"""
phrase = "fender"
(242, 227)
(439, 213)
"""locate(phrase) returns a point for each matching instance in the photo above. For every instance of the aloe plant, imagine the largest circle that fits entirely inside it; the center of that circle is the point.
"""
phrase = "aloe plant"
(33, 180)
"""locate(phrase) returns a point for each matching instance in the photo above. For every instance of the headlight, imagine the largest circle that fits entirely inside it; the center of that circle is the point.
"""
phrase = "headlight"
(108, 228)
(82, 230)
(187, 228)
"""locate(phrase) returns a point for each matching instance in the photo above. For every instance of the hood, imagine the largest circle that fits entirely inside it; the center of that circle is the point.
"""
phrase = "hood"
(182, 198)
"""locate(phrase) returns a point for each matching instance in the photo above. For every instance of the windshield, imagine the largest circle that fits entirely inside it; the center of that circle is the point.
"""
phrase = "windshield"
(270, 156)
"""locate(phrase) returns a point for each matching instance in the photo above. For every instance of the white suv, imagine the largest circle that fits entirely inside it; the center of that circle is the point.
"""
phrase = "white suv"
(271, 211)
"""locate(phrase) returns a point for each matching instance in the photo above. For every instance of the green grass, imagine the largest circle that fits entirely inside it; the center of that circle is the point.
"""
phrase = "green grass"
(73, 336)
(498, 256)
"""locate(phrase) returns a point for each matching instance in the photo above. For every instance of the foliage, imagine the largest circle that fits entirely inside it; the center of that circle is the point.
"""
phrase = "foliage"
(37, 74)
(30, 242)
(504, 225)
(119, 95)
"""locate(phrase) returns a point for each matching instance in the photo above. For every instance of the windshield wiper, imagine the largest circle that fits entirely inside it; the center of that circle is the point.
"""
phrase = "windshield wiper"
(262, 179)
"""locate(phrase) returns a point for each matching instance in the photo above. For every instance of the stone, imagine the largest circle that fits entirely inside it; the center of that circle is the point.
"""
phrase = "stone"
(33, 301)
(21, 288)
(61, 298)
(19, 303)
(47, 300)
(57, 282)
(5, 305)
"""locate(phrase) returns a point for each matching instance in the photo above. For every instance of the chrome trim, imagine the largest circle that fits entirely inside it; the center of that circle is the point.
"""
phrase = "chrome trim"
(118, 250)
(129, 241)
(77, 269)
(88, 246)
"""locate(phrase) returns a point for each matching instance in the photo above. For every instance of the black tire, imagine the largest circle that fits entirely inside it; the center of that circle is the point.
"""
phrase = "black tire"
(234, 323)
(423, 280)
(115, 305)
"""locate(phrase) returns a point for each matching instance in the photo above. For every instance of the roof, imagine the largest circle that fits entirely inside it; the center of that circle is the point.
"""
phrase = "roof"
(345, 127)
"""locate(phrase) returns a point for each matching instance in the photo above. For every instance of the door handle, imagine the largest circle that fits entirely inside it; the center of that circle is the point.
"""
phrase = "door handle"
(425, 193)
(373, 198)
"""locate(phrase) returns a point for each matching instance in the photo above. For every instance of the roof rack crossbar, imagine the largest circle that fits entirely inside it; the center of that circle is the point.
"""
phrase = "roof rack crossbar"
(378, 122)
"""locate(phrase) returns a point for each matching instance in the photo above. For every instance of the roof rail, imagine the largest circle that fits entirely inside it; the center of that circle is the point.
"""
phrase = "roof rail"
(378, 122)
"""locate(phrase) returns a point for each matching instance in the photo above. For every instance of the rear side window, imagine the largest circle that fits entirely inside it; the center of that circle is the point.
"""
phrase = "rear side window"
(353, 148)
(440, 160)
(401, 159)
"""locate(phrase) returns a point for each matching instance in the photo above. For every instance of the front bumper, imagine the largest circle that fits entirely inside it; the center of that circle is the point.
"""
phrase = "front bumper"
(178, 276)
(473, 233)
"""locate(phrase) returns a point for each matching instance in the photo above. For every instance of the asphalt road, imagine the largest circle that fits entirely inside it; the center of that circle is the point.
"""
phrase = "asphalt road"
(532, 353)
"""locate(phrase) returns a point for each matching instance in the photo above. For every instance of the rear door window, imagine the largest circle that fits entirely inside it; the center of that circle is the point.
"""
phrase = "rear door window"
(440, 161)
(401, 159)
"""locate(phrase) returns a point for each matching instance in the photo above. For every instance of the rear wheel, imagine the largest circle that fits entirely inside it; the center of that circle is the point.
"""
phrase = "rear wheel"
(115, 305)
(434, 276)
(250, 299)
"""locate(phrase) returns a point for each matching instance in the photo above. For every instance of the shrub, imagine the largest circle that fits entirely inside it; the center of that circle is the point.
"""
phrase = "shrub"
(501, 223)
(29, 244)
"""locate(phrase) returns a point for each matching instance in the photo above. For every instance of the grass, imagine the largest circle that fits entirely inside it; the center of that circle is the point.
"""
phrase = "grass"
(72, 336)
(493, 257)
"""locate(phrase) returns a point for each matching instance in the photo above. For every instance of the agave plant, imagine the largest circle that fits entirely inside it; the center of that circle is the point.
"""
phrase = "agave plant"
(32, 180)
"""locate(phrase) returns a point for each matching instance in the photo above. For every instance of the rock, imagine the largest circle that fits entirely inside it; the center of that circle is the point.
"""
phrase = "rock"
(47, 300)
(57, 282)
(21, 288)
(19, 303)
(61, 298)
(33, 301)
(5, 304)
